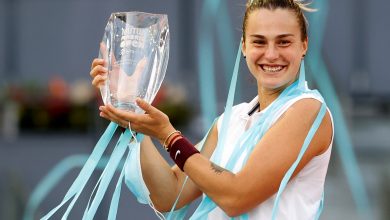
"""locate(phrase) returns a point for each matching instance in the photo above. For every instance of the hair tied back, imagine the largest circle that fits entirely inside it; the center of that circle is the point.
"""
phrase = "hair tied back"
(302, 4)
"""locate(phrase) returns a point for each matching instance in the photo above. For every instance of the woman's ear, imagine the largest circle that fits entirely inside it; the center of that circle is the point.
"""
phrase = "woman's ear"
(243, 48)
(305, 45)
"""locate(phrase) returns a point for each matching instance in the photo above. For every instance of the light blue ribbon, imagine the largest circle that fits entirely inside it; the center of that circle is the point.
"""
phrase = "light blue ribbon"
(53, 178)
(108, 173)
(206, 63)
(112, 165)
(214, 10)
(88, 168)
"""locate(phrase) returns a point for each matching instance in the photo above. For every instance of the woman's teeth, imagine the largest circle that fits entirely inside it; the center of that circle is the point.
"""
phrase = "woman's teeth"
(271, 68)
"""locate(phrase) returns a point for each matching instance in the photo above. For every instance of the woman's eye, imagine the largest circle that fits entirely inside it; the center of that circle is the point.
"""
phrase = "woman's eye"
(259, 42)
(284, 43)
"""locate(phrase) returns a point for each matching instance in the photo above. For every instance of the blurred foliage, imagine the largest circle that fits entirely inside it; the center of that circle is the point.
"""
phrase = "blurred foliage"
(51, 107)
(179, 113)
(62, 107)
(172, 100)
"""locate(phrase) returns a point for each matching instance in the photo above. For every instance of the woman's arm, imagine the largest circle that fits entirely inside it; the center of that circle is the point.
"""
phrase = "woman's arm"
(271, 158)
(164, 182)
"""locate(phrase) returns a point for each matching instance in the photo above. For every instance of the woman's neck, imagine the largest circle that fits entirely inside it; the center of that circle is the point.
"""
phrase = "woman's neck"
(267, 96)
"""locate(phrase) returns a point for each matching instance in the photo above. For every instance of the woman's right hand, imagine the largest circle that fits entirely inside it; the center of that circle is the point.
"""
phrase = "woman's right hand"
(98, 72)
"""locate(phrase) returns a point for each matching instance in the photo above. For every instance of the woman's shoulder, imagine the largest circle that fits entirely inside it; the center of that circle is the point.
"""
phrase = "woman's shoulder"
(310, 101)
(305, 111)
(307, 106)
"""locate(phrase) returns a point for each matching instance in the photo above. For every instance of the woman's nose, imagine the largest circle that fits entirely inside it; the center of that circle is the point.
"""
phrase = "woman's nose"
(271, 53)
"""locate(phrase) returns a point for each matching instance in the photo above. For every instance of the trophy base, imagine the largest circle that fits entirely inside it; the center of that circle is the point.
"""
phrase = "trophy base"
(128, 106)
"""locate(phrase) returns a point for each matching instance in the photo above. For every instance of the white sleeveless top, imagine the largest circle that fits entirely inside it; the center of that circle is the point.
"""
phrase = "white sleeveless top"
(301, 198)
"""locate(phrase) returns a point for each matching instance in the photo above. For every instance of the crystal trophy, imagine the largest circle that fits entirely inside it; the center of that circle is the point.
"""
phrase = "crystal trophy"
(135, 46)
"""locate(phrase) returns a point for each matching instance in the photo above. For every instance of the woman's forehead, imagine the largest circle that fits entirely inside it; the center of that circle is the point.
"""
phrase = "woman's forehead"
(273, 22)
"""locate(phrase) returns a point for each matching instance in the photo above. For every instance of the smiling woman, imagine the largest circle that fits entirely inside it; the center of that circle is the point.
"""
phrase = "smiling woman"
(266, 159)
(273, 48)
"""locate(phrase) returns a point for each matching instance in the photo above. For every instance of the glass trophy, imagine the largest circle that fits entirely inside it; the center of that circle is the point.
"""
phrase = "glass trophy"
(135, 46)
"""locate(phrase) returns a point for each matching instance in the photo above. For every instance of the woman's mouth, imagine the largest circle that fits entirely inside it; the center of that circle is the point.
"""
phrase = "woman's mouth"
(272, 69)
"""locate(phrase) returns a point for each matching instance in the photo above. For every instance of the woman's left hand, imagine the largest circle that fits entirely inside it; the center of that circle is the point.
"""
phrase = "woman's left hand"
(153, 123)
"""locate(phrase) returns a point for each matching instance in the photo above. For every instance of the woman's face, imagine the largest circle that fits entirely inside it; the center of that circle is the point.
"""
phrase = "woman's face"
(273, 47)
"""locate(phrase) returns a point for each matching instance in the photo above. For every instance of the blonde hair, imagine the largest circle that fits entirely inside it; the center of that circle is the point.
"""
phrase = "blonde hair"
(297, 6)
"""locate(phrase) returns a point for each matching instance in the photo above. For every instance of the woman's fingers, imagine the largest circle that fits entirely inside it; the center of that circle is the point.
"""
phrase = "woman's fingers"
(108, 112)
(99, 80)
(156, 117)
(153, 122)
(148, 108)
(96, 62)
(123, 117)
(98, 70)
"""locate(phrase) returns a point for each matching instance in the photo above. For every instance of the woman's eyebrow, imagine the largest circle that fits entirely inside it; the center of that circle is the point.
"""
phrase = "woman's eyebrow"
(257, 36)
(285, 35)
(278, 36)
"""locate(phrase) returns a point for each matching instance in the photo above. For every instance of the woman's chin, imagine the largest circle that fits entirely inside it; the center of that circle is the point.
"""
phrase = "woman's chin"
(275, 84)
(272, 85)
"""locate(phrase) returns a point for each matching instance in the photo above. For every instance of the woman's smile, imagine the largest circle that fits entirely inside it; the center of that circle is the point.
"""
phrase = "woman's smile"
(271, 68)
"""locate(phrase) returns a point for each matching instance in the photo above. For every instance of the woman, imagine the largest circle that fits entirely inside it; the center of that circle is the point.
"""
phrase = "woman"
(263, 137)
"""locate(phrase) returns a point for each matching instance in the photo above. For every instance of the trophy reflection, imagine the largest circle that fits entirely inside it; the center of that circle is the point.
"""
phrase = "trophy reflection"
(135, 47)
